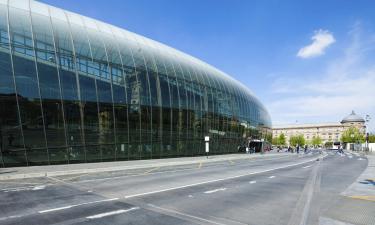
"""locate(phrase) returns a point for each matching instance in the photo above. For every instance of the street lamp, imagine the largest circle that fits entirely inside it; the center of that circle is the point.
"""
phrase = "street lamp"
(368, 118)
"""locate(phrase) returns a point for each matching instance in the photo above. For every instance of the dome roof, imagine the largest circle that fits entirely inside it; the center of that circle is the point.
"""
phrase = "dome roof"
(352, 118)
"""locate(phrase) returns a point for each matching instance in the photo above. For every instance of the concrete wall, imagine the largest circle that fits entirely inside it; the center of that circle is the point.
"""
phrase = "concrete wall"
(371, 146)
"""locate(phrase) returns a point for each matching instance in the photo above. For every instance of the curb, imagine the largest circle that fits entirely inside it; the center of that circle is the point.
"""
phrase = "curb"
(120, 168)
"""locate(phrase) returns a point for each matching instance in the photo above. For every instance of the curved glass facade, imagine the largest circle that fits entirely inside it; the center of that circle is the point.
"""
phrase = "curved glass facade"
(74, 89)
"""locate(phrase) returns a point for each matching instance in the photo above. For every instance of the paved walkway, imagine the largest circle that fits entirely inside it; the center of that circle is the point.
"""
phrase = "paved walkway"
(356, 206)
(364, 186)
(70, 169)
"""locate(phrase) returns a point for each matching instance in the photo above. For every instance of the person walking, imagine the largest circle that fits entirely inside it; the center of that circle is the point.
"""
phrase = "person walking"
(297, 149)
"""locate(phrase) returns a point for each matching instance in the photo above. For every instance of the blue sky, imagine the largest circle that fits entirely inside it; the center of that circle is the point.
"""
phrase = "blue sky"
(308, 61)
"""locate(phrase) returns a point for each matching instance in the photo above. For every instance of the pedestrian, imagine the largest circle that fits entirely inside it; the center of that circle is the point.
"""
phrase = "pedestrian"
(297, 149)
(305, 149)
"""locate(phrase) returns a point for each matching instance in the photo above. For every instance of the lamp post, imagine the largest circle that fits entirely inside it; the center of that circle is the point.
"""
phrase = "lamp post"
(368, 118)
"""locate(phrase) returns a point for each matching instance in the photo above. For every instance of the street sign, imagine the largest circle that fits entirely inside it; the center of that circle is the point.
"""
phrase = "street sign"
(207, 148)
(207, 138)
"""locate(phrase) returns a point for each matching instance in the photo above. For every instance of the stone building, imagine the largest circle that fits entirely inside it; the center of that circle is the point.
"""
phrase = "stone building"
(328, 132)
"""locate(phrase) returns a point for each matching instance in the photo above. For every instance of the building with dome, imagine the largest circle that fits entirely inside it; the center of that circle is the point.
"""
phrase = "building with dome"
(328, 132)
(76, 90)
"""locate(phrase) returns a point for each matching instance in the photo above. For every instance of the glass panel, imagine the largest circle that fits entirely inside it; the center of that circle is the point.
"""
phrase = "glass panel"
(145, 104)
(156, 103)
(49, 89)
(91, 121)
(133, 89)
(12, 151)
(166, 107)
(175, 108)
(104, 88)
(27, 86)
(106, 122)
(69, 91)
(120, 100)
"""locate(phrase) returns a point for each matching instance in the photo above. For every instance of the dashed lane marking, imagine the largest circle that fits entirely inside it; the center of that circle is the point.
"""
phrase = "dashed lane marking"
(217, 180)
(271, 177)
(185, 215)
(28, 188)
(120, 211)
(215, 190)
(72, 206)
(253, 182)
(306, 166)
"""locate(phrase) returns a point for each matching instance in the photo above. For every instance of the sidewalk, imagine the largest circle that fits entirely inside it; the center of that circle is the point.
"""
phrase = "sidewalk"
(71, 169)
(356, 205)
(364, 186)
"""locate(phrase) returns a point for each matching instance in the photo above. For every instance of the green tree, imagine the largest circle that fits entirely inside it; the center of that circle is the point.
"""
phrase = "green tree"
(316, 141)
(371, 138)
(282, 139)
(268, 137)
(328, 144)
(352, 135)
(297, 140)
(275, 141)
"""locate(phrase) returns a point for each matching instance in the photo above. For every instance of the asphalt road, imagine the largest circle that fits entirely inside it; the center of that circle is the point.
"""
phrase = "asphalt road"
(286, 189)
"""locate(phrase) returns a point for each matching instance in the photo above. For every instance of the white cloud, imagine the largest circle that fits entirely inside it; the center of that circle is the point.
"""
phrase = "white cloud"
(346, 83)
(321, 40)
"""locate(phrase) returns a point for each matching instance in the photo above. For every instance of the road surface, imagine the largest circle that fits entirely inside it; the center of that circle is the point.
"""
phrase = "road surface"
(288, 189)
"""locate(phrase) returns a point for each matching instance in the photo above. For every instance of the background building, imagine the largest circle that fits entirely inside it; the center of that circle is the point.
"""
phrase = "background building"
(74, 89)
(328, 132)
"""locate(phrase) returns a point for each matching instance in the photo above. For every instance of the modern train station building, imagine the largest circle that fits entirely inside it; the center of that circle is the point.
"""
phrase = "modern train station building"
(77, 90)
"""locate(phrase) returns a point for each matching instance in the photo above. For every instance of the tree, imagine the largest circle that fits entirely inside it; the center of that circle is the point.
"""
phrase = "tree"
(328, 144)
(282, 140)
(297, 140)
(371, 138)
(268, 137)
(352, 135)
(316, 141)
(275, 141)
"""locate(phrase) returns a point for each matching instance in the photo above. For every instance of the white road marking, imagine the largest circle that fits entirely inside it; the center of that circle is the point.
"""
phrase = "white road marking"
(71, 206)
(186, 215)
(360, 159)
(306, 166)
(217, 180)
(271, 177)
(215, 190)
(350, 156)
(161, 172)
(120, 211)
(190, 196)
(41, 187)
(27, 188)
(11, 217)
(253, 182)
